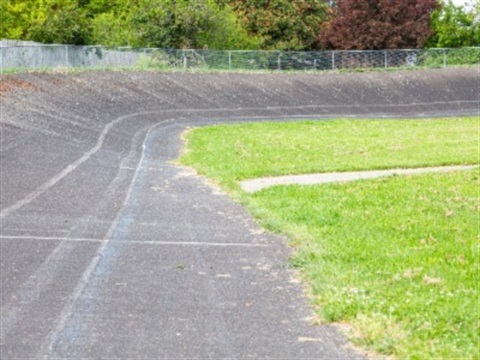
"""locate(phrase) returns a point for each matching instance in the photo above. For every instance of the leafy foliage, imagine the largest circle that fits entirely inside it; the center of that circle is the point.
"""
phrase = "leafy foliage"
(142, 23)
(186, 24)
(454, 26)
(378, 24)
(242, 24)
(62, 24)
(282, 24)
(50, 21)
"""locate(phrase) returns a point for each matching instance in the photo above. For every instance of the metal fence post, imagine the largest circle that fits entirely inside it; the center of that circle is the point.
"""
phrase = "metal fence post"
(66, 56)
(33, 56)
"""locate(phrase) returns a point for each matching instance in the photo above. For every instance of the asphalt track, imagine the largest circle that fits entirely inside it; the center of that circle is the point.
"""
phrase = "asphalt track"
(109, 250)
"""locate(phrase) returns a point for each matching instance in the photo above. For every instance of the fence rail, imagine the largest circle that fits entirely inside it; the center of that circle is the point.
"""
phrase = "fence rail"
(20, 57)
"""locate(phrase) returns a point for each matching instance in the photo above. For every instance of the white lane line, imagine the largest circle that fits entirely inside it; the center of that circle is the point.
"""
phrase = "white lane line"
(313, 106)
(49, 238)
(47, 185)
(136, 242)
(44, 187)
(67, 311)
(253, 185)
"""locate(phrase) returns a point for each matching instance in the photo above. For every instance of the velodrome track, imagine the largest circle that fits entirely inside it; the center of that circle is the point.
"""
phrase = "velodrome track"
(108, 250)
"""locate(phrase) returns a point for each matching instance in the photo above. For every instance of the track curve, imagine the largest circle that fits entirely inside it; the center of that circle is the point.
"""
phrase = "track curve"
(109, 250)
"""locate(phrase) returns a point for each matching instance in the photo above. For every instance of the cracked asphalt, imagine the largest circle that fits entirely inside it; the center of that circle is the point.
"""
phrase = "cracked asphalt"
(110, 250)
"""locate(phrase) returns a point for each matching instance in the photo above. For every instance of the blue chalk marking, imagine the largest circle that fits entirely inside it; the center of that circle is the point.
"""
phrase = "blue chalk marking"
(76, 327)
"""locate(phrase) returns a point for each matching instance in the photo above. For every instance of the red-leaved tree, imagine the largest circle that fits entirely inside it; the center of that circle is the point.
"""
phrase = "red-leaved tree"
(377, 24)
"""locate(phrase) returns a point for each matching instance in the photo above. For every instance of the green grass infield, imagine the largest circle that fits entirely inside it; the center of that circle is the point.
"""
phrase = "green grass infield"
(394, 261)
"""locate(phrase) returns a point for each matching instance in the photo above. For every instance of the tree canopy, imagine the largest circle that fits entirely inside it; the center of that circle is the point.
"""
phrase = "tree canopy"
(171, 24)
(243, 24)
(282, 24)
(47, 21)
(145, 23)
(453, 26)
(378, 24)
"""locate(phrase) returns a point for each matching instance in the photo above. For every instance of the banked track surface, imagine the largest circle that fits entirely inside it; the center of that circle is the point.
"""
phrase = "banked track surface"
(108, 250)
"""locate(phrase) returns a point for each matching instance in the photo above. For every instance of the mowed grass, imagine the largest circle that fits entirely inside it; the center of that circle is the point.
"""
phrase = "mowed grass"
(395, 260)
(229, 153)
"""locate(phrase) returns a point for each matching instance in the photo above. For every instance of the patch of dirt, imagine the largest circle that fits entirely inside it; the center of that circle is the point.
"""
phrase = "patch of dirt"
(55, 77)
(9, 83)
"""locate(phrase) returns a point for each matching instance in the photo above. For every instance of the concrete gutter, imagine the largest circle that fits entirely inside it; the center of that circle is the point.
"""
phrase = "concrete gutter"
(254, 185)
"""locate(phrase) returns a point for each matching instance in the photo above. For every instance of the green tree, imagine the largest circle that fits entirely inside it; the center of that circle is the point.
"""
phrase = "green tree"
(16, 17)
(171, 24)
(282, 24)
(65, 23)
(455, 26)
(7, 22)
(48, 21)
(111, 23)
(187, 24)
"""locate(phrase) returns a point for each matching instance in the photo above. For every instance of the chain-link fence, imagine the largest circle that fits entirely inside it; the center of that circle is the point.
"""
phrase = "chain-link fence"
(27, 56)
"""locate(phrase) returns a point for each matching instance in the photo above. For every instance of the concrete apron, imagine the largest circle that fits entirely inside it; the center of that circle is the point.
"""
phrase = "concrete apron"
(254, 185)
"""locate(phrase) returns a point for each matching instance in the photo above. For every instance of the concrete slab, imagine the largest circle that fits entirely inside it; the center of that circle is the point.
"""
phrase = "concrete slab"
(254, 185)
